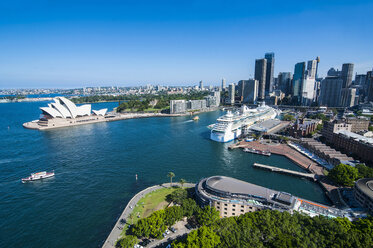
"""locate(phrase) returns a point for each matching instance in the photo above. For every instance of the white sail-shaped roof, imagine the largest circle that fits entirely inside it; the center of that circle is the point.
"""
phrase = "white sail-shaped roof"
(70, 106)
(101, 112)
(60, 108)
(84, 110)
(51, 111)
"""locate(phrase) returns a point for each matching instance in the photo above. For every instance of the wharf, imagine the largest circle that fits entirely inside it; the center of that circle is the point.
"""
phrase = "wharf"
(286, 171)
(301, 160)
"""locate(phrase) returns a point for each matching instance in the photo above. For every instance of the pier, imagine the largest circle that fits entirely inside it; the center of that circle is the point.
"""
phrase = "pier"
(285, 171)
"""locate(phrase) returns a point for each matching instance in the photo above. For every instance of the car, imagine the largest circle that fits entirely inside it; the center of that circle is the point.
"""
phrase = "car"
(167, 232)
(169, 246)
(173, 229)
(164, 235)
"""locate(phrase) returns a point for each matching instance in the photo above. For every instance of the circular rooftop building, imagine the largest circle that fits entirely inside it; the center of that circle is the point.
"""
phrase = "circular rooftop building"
(364, 193)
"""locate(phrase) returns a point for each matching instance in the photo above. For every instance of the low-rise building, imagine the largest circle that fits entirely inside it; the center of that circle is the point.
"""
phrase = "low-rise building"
(325, 152)
(233, 197)
(358, 123)
(331, 127)
(354, 144)
(177, 106)
(303, 128)
(364, 193)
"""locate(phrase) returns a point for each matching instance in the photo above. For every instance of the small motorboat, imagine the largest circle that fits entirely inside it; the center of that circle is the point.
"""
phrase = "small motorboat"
(195, 118)
(38, 176)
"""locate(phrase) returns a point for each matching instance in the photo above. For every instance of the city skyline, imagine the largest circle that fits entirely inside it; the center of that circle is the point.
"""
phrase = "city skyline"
(71, 44)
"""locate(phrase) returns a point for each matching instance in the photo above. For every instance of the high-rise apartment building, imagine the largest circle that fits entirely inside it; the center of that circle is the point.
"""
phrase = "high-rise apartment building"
(231, 94)
(250, 92)
(270, 57)
(330, 92)
(347, 72)
(260, 75)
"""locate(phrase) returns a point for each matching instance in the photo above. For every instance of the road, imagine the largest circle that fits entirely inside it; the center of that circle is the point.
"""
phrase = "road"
(115, 233)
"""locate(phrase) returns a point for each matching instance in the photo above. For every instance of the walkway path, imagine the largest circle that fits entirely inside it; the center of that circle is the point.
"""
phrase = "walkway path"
(117, 229)
(291, 172)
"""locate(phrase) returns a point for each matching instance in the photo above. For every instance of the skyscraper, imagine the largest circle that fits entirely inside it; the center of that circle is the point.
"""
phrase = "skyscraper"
(348, 97)
(240, 89)
(298, 77)
(223, 84)
(260, 75)
(201, 85)
(270, 57)
(250, 92)
(231, 94)
(347, 72)
(284, 82)
(311, 68)
(330, 92)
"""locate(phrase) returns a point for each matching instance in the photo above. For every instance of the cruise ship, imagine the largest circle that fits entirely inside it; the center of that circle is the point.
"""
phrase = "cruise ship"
(229, 127)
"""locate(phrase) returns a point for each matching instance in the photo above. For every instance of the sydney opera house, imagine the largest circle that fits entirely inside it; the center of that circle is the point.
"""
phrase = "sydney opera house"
(62, 113)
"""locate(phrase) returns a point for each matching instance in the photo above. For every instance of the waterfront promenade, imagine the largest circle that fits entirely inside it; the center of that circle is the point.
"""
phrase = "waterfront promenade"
(116, 231)
(111, 116)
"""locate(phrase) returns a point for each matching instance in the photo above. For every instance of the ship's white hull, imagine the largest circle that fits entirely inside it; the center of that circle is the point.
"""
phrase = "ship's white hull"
(226, 136)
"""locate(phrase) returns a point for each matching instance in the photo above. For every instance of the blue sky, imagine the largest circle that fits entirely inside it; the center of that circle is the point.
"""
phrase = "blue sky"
(126, 43)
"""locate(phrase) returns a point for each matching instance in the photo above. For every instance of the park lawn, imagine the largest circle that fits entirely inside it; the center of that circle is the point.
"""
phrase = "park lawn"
(151, 202)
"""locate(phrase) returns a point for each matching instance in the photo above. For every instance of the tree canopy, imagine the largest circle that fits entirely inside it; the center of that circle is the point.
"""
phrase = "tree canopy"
(344, 175)
(268, 228)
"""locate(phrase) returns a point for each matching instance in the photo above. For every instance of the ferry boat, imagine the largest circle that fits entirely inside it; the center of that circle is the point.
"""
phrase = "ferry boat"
(229, 127)
(38, 176)
(252, 150)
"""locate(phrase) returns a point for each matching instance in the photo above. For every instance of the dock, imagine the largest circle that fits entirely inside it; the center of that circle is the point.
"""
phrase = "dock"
(285, 171)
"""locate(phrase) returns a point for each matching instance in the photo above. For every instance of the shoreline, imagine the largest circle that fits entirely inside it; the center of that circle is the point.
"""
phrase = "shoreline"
(61, 123)
(114, 235)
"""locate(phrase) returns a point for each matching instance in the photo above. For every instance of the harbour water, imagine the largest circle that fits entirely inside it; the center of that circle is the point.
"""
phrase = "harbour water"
(95, 167)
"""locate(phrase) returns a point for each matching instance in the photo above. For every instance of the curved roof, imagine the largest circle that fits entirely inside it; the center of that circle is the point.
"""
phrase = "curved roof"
(366, 186)
(100, 112)
(69, 105)
(228, 185)
(60, 108)
(51, 111)
(83, 110)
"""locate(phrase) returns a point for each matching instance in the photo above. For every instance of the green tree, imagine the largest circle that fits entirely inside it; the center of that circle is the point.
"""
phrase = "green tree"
(182, 182)
(178, 196)
(288, 117)
(364, 171)
(171, 175)
(207, 215)
(204, 237)
(344, 175)
(128, 241)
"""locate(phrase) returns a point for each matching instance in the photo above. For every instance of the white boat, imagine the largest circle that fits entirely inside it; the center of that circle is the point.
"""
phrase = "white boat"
(229, 127)
(38, 176)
